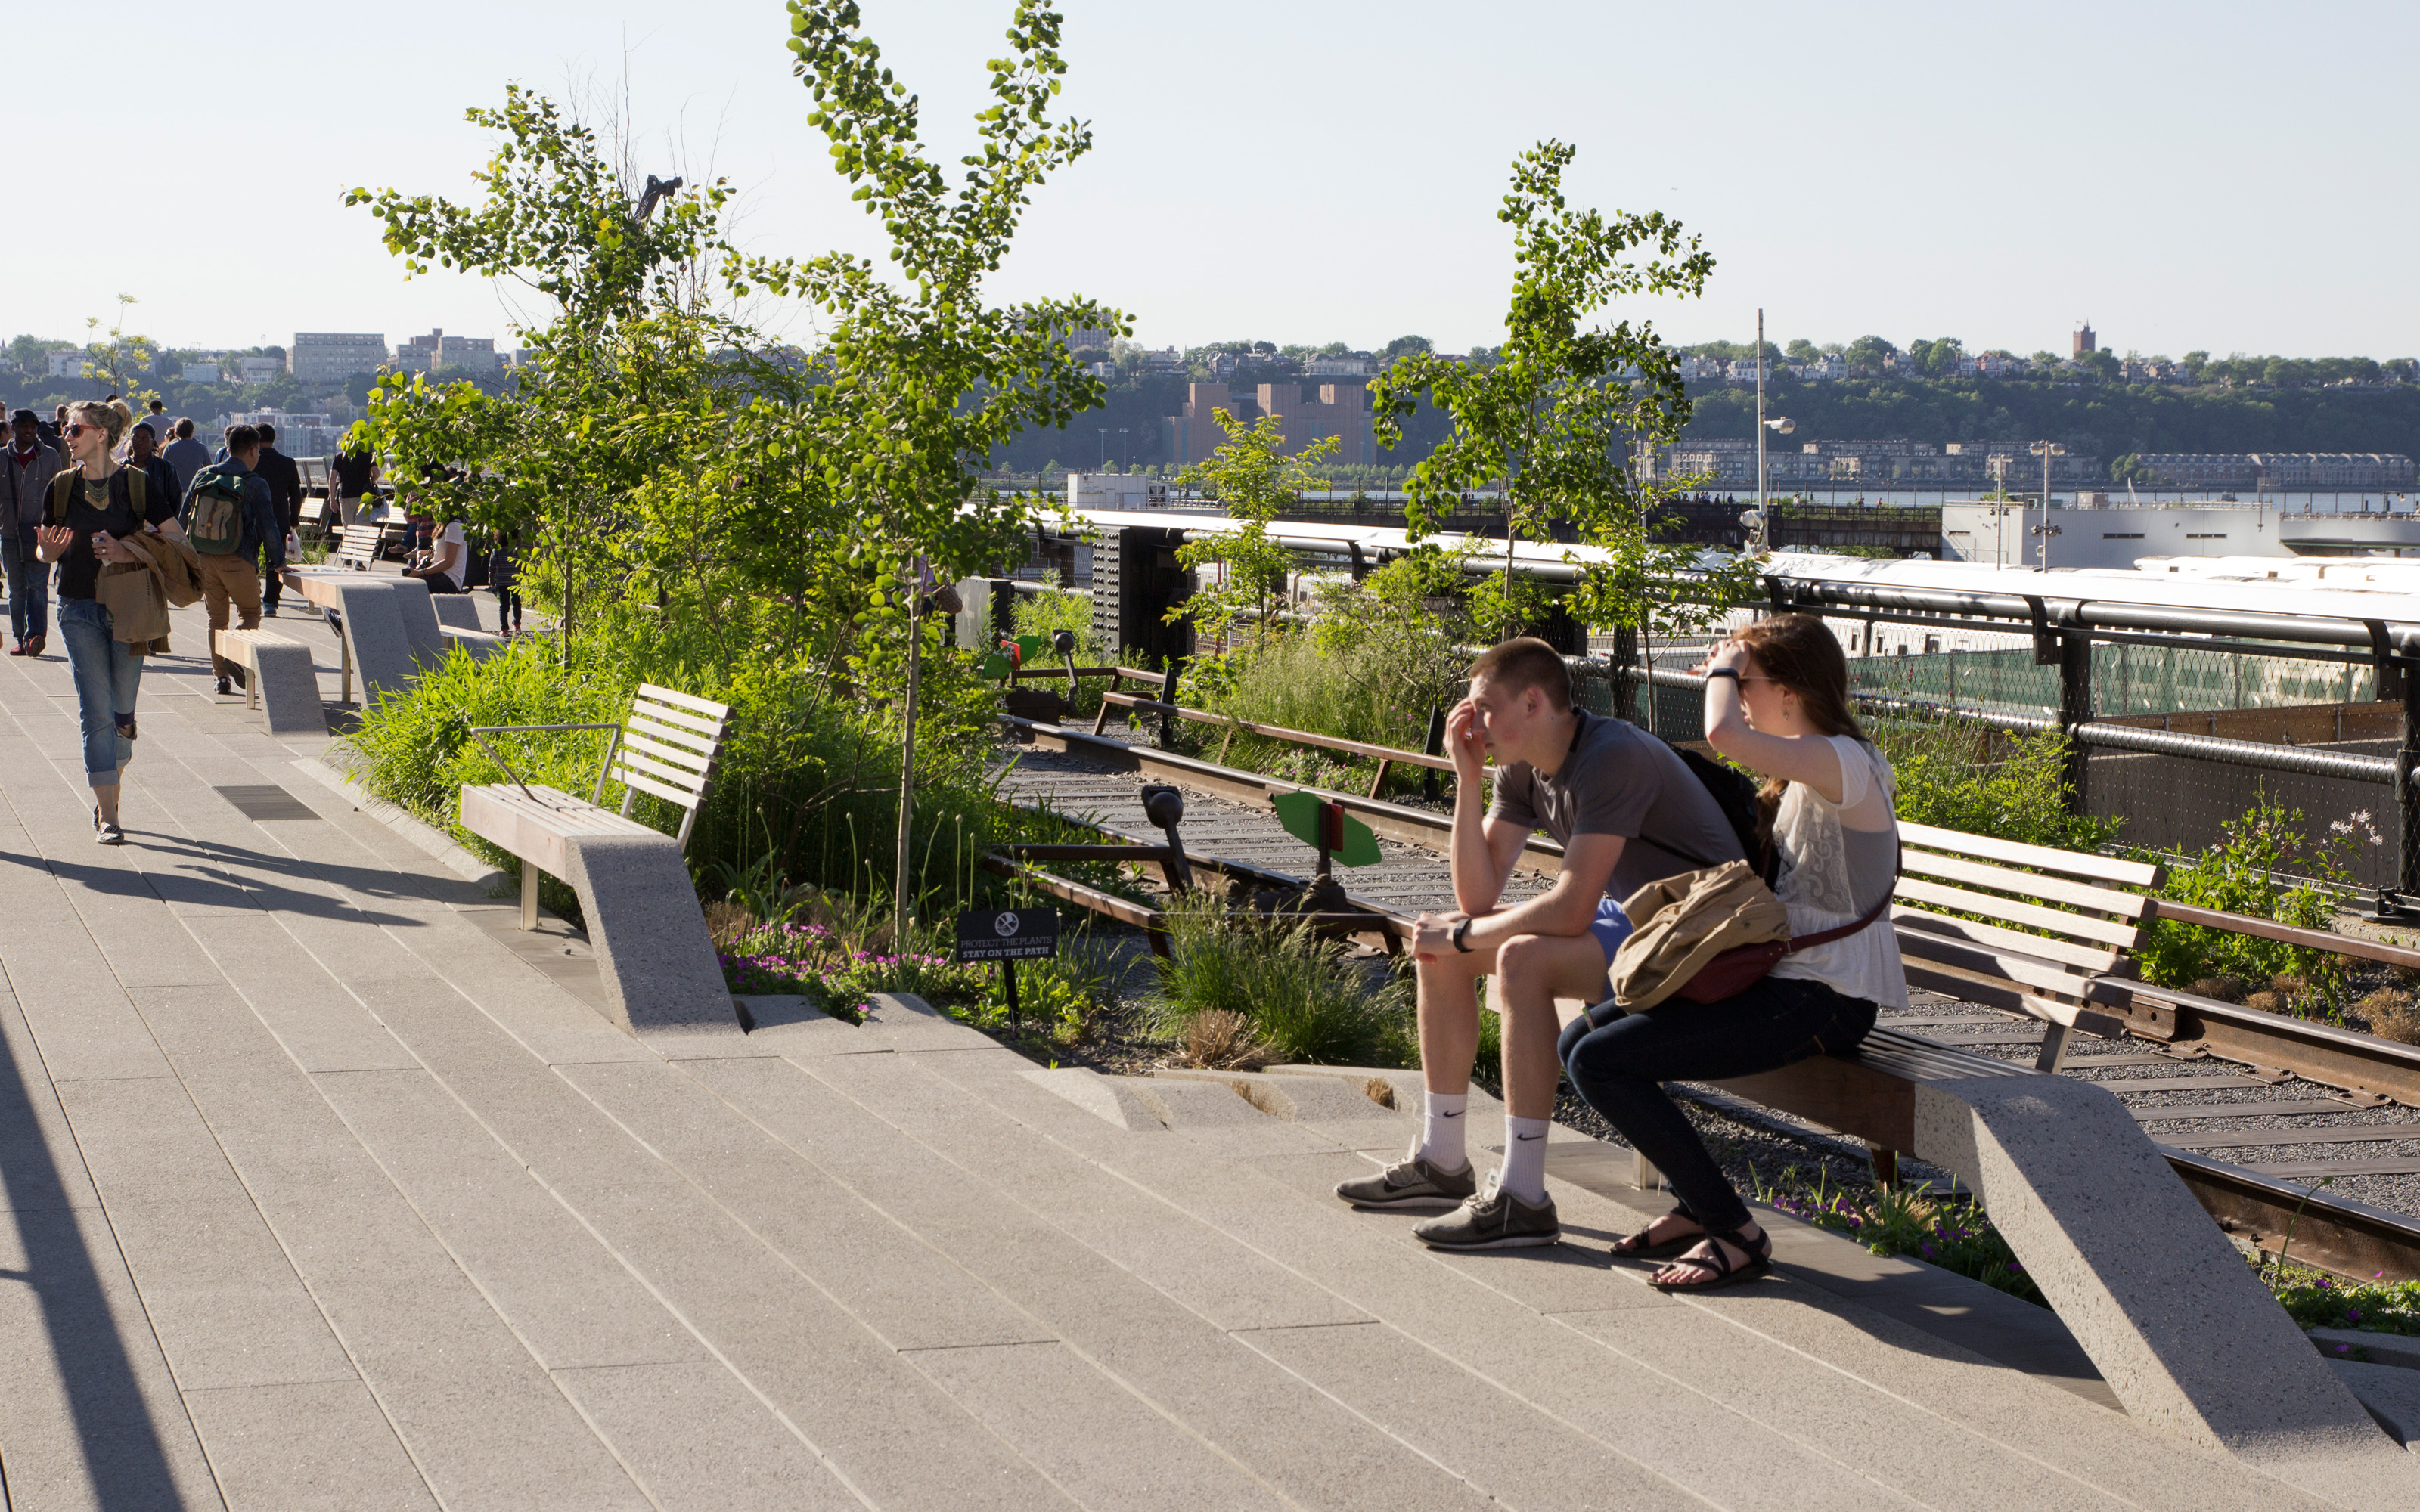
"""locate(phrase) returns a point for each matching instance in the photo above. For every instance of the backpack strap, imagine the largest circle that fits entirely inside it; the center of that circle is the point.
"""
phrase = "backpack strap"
(63, 487)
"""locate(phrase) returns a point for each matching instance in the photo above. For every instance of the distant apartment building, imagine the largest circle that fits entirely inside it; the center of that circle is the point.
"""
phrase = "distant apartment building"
(68, 363)
(1089, 338)
(1166, 359)
(298, 435)
(472, 356)
(1822, 370)
(199, 373)
(2082, 341)
(334, 355)
(1336, 367)
(259, 369)
(2332, 469)
(1337, 410)
(2200, 470)
(1995, 366)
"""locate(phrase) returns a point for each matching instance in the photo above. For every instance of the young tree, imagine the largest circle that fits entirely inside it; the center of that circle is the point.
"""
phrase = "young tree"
(1254, 479)
(115, 360)
(1554, 415)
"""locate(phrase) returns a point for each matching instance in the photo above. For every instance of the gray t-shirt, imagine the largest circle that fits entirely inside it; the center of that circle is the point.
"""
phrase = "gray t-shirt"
(1621, 780)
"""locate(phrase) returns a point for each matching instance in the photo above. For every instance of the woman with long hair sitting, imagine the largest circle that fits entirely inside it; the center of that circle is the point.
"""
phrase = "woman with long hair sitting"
(1777, 702)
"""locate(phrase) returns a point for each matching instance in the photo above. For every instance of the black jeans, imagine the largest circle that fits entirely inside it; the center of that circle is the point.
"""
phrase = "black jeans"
(1618, 1065)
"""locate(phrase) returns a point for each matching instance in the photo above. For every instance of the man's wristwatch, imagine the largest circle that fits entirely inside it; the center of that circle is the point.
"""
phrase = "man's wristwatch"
(1460, 936)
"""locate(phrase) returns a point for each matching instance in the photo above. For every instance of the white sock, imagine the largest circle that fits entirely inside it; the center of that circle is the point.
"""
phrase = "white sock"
(1441, 1143)
(1525, 1159)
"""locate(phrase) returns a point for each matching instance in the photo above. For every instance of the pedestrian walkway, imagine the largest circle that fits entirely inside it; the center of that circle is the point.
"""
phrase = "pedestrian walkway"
(327, 1188)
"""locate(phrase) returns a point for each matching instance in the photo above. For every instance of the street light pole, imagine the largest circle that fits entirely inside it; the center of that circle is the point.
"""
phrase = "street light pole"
(1760, 413)
(1125, 456)
(2046, 450)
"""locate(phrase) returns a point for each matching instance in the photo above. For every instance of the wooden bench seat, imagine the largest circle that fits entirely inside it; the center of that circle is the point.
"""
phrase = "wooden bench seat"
(357, 545)
(641, 911)
(2027, 929)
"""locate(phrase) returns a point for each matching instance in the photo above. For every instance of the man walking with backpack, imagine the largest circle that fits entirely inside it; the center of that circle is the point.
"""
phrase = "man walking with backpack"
(1627, 810)
(284, 481)
(29, 468)
(230, 520)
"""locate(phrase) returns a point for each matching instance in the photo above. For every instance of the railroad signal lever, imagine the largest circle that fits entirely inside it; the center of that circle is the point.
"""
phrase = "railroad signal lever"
(1064, 643)
(1164, 806)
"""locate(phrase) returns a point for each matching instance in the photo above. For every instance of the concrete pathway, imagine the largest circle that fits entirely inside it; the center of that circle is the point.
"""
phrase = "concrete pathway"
(327, 1188)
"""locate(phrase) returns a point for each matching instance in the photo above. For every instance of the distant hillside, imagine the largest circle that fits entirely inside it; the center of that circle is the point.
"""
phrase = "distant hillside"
(2108, 421)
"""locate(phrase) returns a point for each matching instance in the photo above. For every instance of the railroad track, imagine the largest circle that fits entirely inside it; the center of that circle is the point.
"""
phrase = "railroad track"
(2269, 1121)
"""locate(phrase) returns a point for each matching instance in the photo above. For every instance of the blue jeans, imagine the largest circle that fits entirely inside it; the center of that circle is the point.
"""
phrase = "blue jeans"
(29, 589)
(107, 673)
(1618, 1065)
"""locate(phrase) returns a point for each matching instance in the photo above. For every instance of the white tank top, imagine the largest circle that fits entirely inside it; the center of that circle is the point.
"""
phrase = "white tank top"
(1837, 861)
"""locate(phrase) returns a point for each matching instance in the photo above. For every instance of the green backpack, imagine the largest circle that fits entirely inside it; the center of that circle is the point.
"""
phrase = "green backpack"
(214, 511)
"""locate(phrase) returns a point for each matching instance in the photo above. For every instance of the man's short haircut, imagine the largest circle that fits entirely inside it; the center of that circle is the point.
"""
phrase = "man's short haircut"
(268, 433)
(1522, 663)
(242, 439)
(184, 430)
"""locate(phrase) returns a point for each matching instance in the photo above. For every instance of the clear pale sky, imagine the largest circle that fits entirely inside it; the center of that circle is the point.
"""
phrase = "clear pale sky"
(2221, 175)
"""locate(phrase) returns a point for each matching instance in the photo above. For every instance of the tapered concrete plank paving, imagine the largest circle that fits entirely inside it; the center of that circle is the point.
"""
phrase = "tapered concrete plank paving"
(143, 1142)
(887, 1428)
(872, 1264)
(307, 1447)
(1224, 1282)
(226, 1304)
(1508, 1343)
(85, 1026)
(89, 1414)
(699, 1440)
(2098, 1447)
(486, 1424)
(1104, 1446)
(1513, 1453)
(313, 1020)
(1264, 1417)
(561, 1289)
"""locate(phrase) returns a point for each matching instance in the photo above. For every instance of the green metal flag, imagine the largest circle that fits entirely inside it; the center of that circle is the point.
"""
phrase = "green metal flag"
(1305, 815)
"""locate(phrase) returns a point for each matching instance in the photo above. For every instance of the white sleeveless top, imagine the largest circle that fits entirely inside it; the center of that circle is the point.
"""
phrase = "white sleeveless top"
(1837, 861)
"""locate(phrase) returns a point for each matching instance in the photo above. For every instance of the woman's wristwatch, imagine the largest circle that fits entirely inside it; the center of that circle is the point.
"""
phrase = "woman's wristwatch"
(1462, 936)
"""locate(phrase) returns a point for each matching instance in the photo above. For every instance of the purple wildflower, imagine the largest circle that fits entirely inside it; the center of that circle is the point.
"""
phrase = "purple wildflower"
(2016, 1267)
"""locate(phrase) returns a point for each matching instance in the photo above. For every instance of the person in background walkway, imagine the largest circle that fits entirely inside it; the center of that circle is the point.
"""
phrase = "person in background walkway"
(186, 454)
(448, 567)
(30, 467)
(51, 432)
(156, 415)
(87, 513)
(228, 575)
(1777, 704)
(505, 578)
(145, 453)
(352, 476)
(285, 482)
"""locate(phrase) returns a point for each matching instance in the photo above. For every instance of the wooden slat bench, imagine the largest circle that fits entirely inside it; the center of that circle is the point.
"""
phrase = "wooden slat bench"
(641, 911)
(2028, 929)
(357, 545)
(278, 677)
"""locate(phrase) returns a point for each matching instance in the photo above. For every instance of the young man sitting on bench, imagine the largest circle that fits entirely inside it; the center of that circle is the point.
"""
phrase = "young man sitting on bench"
(1627, 812)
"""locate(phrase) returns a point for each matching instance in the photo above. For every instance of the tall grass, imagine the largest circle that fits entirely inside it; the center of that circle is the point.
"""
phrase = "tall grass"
(1303, 999)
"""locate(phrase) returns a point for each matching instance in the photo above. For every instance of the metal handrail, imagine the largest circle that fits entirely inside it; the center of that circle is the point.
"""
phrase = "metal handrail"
(595, 796)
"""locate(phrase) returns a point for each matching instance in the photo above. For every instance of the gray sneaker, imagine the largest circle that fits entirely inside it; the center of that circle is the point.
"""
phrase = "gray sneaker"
(1411, 1182)
(1493, 1220)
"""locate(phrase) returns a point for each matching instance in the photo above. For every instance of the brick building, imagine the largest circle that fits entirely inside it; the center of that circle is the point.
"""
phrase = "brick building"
(1338, 409)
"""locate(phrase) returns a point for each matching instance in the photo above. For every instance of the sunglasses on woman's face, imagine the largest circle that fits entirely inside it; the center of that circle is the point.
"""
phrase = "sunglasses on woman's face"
(78, 430)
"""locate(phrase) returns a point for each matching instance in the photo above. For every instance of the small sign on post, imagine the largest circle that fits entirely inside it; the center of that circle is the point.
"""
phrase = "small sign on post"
(1008, 935)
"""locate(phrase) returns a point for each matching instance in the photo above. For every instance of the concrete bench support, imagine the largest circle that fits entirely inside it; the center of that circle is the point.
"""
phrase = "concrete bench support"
(2190, 1341)
(479, 643)
(459, 612)
(278, 679)
(653, 950)
(422, 635)
(374, 645)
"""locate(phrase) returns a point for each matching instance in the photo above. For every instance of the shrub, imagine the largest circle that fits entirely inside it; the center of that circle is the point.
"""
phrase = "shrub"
(2389, 1013)
(1298, 992)
(1958, 776)
(2248, 872)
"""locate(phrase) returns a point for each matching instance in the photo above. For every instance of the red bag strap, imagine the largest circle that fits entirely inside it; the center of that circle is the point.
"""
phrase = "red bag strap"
(1825, 936)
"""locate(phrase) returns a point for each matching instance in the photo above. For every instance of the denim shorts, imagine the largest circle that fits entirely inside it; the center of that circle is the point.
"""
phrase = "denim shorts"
(1611, 926)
